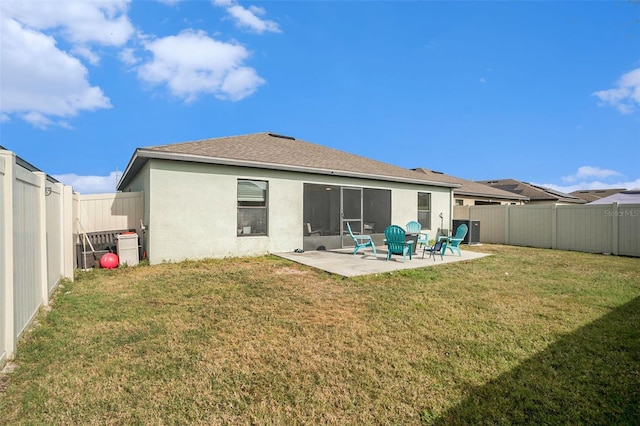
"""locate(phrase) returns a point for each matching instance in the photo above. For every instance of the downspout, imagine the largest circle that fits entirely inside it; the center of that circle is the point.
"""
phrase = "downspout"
(451, 198)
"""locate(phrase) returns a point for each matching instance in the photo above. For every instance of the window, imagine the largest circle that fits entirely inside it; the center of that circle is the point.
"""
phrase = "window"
(459, 202)
(424, 209)
(252, 207)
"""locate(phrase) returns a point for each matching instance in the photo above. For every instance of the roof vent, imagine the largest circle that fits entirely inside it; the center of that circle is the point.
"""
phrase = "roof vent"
(436, 172)
(275, 135)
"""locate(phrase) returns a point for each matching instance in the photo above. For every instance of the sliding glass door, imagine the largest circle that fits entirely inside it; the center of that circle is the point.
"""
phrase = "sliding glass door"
(350, 212)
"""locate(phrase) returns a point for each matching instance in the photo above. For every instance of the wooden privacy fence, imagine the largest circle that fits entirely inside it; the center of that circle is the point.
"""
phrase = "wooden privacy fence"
(39, 230)
(599, 228)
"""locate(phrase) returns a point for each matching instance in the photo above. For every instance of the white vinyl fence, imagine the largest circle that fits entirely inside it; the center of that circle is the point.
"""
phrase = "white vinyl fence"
(104, 212)
(40, 220)
(36, 243)
(599, 228)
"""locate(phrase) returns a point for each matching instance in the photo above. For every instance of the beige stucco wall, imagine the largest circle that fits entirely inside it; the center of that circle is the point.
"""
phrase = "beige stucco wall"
(191, 208)
(404, 201)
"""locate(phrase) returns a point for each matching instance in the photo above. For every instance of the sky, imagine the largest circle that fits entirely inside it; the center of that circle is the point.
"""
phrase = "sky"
(546, 92)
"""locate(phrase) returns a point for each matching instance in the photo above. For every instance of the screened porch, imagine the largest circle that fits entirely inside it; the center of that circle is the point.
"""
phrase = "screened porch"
(328, 209)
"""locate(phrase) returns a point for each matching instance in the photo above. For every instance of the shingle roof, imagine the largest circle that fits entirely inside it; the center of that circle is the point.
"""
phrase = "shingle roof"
(622, 197)
(534, 192)
(595, 194)
(475, 189)
(271, 151)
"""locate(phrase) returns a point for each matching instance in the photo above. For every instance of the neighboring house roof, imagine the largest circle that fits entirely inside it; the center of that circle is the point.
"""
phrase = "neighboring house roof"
(623, 197)
(28, 166)
(277, 152)
(534, 192)
(595, 194)
(473, 189)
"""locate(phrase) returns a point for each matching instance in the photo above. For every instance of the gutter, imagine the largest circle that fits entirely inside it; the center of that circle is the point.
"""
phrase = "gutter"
(478, 194)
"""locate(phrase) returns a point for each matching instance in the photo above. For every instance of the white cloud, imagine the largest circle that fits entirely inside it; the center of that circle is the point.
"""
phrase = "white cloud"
(40, 80)
(224, 3)
(128, 57)
(626, 95)
(90, 184)
(590, 177)
(586, 172)
(192, 63)
(98, 21)
(37, 120)
(240, 83)
(248, 18)
(632, 184)
(44, 83)
(87, 54)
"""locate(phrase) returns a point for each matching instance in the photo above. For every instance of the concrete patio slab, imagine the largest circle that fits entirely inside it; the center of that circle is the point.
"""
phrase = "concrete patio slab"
(343, 262)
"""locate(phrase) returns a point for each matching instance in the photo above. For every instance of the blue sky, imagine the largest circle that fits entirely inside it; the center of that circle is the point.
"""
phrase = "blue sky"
(544, 92)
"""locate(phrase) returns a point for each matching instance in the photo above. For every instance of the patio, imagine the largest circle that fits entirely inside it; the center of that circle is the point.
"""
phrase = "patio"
(343, 262)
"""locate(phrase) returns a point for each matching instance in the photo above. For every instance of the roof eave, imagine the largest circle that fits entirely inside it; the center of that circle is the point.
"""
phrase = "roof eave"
(571, 200)
(141, 156)
(479, 194)
(135, 164)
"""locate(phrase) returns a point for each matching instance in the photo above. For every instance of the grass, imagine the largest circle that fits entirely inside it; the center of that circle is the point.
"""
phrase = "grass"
(523, 336)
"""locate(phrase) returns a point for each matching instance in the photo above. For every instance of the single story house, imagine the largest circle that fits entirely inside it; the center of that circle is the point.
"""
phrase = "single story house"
(536, 194)
(268, 193)
(623, 197)
(590, 195)
(472, 193)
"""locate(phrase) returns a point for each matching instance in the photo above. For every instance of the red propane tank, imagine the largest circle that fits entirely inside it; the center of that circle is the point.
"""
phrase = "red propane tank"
(109, 261)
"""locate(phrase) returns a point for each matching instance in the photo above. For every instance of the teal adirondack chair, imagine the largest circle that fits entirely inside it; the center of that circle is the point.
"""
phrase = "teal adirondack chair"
(361, 241)
(395, 237)
(414, 227)
(453, 243)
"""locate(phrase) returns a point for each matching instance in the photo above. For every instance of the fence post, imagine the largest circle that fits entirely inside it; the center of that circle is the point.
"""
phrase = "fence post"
(615, 244)
(554, 224)
(41, 253)
(7, 316)
(506, 223)
(68, 241)
(60, 207)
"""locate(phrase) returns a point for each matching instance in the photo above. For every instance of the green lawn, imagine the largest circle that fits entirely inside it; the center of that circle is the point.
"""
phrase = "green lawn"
(522, 336)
